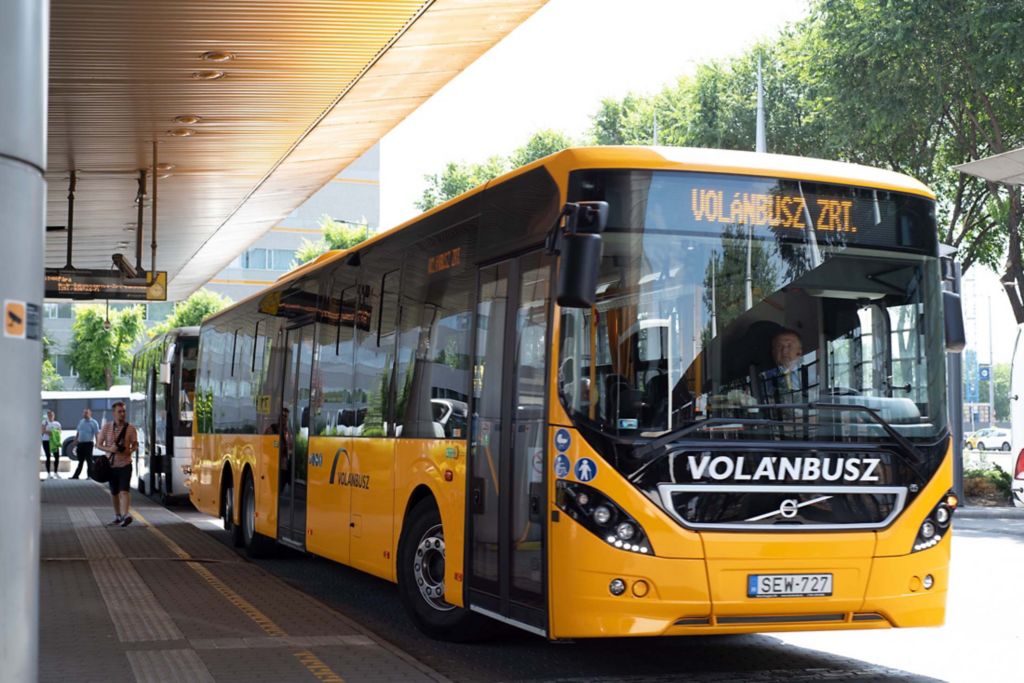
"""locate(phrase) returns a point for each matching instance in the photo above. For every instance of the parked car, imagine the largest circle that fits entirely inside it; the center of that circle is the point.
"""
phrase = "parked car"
(992, 438)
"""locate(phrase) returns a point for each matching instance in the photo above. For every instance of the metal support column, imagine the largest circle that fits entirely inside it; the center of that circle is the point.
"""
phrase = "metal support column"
(24, 35)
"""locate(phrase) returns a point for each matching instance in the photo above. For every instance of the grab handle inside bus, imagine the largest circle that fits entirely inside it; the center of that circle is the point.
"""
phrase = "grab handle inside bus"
(579, 249)
(956, 338)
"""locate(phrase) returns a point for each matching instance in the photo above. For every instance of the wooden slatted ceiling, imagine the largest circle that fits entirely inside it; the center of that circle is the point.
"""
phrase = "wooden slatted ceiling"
(313, 85)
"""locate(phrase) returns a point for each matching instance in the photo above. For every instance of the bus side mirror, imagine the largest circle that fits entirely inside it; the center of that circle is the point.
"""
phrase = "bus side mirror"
(579, 247)
(165, 373)
(956, 338)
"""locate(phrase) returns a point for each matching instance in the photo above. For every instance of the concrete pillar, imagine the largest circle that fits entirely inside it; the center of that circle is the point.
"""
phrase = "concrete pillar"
(24, 41)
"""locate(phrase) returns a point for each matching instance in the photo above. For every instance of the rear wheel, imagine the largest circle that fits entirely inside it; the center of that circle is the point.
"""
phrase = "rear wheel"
(421, 565)
(256, 544)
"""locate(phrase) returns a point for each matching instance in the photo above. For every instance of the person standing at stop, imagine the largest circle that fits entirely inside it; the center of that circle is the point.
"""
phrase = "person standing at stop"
(120, 440)
(47, 426)
(85, 437)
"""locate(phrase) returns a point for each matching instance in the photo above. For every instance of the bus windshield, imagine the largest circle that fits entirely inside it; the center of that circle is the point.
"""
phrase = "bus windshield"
(756, 301)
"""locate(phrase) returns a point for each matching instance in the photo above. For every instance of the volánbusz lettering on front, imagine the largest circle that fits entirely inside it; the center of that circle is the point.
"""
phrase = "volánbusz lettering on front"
(783, 468)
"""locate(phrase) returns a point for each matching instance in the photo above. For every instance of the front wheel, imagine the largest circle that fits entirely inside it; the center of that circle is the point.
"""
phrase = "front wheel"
(256, 544)
(981, 445)
(421, 563)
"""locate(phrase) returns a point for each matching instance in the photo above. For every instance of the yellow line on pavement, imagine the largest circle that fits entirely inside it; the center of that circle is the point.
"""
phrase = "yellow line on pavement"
(312, 663)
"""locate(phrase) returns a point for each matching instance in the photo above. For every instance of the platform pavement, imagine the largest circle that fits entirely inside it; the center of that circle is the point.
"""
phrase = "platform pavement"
(162, 601)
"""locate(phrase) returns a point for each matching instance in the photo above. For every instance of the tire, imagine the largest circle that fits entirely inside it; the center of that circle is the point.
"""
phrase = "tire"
(1005, 446)
(256, 544)
(421, 572)
(235, 530)
(981, 446)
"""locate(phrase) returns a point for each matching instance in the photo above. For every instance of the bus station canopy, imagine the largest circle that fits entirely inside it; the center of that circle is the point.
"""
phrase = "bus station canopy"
(254, 107)
(1006, 168)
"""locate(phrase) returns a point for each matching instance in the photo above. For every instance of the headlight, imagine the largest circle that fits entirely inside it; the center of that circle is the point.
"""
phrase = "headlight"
(596, 512)
(935, 525)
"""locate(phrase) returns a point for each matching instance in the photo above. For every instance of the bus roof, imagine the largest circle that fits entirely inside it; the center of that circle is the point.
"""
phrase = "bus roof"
(697, 159)
(116, 391)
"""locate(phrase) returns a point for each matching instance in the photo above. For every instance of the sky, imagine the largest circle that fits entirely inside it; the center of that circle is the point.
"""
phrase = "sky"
(554, 70)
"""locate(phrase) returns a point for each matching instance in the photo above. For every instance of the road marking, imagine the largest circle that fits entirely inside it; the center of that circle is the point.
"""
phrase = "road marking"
(134, 610)
(313, 664)
(168, 666)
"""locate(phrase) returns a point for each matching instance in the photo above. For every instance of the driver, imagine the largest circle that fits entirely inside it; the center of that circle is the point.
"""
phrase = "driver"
(785, 382)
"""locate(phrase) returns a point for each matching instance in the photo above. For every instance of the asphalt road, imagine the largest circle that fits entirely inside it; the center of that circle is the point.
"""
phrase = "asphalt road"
(979, 642)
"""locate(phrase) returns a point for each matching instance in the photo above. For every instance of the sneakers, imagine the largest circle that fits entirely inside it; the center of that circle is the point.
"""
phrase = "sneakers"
(127, 520)
(117, 521)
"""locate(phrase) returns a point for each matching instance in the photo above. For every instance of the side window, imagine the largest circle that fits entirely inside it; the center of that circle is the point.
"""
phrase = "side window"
(434, 340)
(374, 353)
(246, 408)
(204, 382)
(333, 414)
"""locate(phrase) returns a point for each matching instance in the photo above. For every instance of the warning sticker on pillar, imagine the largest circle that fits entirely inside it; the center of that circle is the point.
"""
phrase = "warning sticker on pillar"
(21, 320)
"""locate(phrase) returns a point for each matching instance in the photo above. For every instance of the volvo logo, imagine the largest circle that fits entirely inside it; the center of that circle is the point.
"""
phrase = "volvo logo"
(789, 508)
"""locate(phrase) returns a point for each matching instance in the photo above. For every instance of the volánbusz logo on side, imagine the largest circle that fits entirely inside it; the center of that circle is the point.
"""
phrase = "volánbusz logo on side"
(782, 468)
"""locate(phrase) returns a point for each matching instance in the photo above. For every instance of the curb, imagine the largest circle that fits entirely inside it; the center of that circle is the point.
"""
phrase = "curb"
(975, 512)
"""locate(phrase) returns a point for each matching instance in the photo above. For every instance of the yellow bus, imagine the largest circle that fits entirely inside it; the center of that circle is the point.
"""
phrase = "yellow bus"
(620, 391)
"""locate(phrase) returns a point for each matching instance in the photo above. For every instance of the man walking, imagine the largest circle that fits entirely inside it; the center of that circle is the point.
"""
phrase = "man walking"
(88, 430)
(120, 439)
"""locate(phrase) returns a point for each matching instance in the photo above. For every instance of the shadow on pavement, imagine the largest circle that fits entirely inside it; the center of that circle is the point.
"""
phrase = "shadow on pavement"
(516, 656)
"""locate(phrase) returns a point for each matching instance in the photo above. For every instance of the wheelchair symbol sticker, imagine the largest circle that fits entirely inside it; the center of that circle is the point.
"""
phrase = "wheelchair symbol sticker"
(561, 466)
(562, 440)
(586, 469)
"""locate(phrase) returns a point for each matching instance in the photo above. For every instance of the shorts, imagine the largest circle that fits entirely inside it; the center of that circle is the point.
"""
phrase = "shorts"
(120, 479)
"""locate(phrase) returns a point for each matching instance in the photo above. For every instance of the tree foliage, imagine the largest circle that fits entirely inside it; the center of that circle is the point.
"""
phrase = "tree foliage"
(192, 311)
(336, 235)
(915, 86)
(51, 381)
(101, 353)
(461, 177)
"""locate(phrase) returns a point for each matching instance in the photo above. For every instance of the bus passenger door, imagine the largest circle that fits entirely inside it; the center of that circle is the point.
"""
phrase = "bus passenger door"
(293, 436)
(507, 558)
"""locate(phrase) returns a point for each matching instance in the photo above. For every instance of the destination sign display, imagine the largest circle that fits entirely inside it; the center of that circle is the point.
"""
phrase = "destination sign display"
(781, 209)
(87, 284)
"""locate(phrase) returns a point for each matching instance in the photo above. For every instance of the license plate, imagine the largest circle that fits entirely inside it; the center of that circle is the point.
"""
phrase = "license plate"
(789, 585)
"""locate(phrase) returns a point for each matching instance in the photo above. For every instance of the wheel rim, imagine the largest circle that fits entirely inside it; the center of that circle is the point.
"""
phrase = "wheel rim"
(428, 568)
(250, 516)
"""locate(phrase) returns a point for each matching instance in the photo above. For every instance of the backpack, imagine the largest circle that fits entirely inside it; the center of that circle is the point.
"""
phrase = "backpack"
(55, 440)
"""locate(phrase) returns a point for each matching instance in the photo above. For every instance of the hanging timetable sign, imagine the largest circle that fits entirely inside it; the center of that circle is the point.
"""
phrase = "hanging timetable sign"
(85, 284)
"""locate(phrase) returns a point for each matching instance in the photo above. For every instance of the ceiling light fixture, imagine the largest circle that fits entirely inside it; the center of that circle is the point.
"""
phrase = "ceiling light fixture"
(164, 175)
(207, 75)
(164, 167)
(187, 119)
(181, 132)
(217, 56)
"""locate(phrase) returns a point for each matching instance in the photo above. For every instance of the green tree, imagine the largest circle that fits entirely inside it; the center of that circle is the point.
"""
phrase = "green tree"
(101, 353)
(541, 144)
(336, 235)
(459, 178)
(1001, 392)
(51, 381)
(192, 311)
